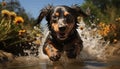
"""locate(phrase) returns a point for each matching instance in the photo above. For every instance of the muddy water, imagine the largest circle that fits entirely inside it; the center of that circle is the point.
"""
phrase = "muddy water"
(35, 63)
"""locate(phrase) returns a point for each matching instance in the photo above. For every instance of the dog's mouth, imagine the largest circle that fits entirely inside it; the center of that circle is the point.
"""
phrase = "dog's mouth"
(62, 36)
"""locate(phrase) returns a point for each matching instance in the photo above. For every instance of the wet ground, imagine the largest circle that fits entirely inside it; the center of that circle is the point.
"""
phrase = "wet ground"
(109, 59)
(35, 63)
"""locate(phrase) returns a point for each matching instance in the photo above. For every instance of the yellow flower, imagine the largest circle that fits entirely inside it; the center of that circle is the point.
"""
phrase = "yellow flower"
(18, 20)
(22, 32)
(5, 13)
(12, 14)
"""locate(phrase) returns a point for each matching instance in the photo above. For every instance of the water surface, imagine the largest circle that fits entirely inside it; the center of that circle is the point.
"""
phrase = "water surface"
(35, 63)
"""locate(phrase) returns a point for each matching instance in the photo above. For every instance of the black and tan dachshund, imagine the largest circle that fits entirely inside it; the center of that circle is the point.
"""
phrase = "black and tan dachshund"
(62, 24)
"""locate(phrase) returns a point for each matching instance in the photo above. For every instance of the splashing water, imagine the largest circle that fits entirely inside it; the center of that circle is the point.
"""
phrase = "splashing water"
(93, 43)
(45, 36)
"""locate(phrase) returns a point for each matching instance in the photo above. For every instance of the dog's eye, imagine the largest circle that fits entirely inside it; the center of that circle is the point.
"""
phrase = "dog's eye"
(54, 19)
(69, 18)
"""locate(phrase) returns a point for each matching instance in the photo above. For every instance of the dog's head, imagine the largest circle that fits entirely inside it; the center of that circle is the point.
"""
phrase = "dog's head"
(62, 20)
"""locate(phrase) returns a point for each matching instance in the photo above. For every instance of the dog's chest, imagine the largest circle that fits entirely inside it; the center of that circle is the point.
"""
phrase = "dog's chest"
(71, 45)
(67, 45)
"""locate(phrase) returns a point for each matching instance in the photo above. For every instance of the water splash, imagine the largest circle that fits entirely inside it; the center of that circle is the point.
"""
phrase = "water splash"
(93, 43)
(45, 36)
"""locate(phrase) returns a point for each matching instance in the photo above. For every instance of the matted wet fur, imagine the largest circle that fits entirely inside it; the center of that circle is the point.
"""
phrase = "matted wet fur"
(62, 24)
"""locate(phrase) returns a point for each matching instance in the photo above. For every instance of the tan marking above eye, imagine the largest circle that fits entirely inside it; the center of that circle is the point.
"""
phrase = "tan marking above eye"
(66, 13)
(57, 14)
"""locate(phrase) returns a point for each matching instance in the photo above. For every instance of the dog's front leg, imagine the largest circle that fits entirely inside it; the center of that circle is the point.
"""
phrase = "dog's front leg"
(51, 52)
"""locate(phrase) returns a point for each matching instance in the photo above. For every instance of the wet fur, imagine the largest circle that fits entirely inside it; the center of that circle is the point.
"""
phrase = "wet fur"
(67, 39)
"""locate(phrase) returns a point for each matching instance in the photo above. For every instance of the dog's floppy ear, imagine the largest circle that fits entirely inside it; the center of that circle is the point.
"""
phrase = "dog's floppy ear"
(44, 12)
(79, 11)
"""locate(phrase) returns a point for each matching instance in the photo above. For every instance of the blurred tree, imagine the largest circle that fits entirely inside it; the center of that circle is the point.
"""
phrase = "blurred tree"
(95, 13)
(105, 10)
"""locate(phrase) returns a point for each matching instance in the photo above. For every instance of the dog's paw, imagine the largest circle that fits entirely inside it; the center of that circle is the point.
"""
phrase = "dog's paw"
(52, 53)
(55, 56)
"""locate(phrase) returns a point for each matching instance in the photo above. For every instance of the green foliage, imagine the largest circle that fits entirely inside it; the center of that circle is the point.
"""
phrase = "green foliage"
(94, 11)
(8, 29)
(16, 28)
(105, 10)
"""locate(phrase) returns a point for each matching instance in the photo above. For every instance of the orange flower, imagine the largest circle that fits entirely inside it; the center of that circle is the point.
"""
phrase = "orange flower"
(18, 20)
(101, 24)
(104, 29)
(21, 32)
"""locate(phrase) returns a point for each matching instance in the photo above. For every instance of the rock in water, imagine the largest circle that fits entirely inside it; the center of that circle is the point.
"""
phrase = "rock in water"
(4, 56)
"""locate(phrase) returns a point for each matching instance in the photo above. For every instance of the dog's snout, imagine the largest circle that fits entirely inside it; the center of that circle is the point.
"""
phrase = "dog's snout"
(62, 28)
(61, 24)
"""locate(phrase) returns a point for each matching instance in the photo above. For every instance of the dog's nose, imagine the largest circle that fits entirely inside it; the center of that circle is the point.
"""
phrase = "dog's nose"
(62, 28)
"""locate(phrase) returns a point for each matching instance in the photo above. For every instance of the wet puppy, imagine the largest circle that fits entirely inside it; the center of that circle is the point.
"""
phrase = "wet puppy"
(63, 36)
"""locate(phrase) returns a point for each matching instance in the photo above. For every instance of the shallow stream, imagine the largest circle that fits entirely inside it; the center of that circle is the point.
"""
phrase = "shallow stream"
(96, 54)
